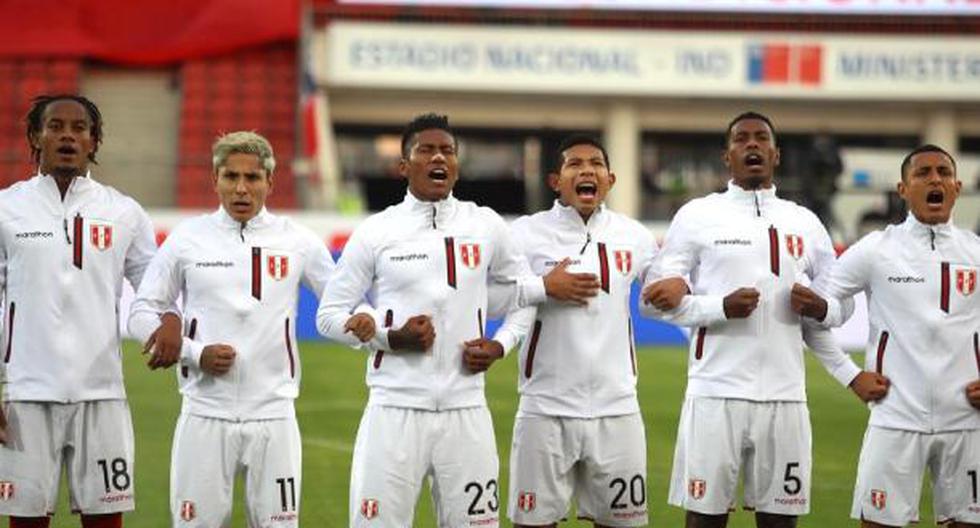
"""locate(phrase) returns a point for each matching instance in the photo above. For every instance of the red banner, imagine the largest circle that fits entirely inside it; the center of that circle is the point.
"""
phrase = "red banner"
(142, 33)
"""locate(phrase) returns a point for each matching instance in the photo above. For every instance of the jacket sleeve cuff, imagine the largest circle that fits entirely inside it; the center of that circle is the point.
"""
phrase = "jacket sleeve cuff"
(833, 318)
(190, 352)
(532, 292)
(507, 339)
(846, 372)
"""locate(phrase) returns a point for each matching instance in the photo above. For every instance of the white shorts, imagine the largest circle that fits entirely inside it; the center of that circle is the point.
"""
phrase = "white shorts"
(209, 452)
(768, 442)
(397, 448)
(93, 440)
(600, 461)
(889, 478)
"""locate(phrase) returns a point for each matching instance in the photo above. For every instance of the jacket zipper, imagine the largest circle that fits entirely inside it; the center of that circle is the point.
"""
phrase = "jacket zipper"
(450, 262)
(758, 210)
(434, 217)
(289, 352)
(588, 239)
(880, 358)
(531, 348)
(774, 250)
(10, 331)
(976, 349)
(944, 287)
(699, 348)
(603, 267)
(77, 240)
(932, 239)
(479, 321)
(389, 318)
(191, 332)
(257, 273)
(629, 328)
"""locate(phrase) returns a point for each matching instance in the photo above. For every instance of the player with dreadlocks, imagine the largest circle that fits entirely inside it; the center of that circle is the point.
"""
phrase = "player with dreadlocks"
(66, 243)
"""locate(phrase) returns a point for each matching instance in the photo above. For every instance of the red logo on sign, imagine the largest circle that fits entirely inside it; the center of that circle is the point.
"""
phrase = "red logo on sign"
(624, 261)
(526, 501)
(369, 508)
(6, 490)
(794, 245)
(878, 499)
(101, 235)
(187, 511)
(966, 281)
(697, 488)
(278, 266)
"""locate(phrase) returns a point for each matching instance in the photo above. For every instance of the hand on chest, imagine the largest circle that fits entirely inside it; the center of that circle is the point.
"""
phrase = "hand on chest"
(613, 262)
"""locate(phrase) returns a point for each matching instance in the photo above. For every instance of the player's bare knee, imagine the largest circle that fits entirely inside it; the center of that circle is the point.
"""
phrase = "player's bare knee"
(703, 520)
(774, 520)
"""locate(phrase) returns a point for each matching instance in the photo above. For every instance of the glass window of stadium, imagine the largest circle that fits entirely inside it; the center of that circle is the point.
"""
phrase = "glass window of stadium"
(503, 169)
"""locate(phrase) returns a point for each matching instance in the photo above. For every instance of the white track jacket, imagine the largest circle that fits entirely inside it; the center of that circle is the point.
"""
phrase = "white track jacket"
(240, 285)
(924, 314)
(62, 264)
(580, 362)
(426, 258)
(725, 241)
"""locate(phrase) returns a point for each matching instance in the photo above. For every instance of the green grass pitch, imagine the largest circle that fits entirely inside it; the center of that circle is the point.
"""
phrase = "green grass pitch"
(333, 396)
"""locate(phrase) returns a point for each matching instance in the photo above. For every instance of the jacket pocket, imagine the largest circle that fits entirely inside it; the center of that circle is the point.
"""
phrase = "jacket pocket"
(629, 335)
(699, 344)
(880, 356)
(191, 333)
(10, 331)
(531, 348)
(380, 354)
(289, 352)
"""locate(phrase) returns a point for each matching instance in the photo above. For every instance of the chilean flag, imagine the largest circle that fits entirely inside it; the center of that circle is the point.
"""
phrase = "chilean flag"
(781, 63)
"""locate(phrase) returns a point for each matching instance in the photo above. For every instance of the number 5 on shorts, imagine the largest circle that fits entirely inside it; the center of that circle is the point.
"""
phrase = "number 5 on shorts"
(793, 484)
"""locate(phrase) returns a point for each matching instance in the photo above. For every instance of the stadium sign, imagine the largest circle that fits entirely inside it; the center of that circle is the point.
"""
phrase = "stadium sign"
(826, 7)
(655, 63)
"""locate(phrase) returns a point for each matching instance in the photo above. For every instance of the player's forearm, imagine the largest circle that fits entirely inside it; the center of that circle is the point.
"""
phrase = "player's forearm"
(694, 311)
(833, 358)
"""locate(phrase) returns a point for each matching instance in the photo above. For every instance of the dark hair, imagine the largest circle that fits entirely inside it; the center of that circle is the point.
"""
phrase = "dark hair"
(424, 122)
(580, 139)
(749, 115)
(35, 117)
(929, 147)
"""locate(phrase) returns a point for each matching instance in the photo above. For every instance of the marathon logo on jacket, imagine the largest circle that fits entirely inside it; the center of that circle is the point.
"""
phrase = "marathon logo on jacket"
(6, 490)
(733, 242)
(34, 234)
(369, 508)
(624, 261)
(187, 511)
(526, 501)
(906, 279)
(470, 253)
(100, 235)
(697, 488)
(879, 499)
(966, 281)
(794, 246)
(278, 266)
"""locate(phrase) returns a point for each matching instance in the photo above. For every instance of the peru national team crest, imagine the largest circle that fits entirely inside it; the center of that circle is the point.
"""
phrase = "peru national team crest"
(101, 236)
(187, 511)
(369, 508)
(624, 261)
(526, 501)
(878, 499)
(470, 254)
(966, 281)
(278, 266)
(697, 488)
(794, 246)
(6, 490)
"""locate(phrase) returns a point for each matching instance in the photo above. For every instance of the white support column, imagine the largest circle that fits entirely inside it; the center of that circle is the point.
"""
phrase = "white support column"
(622, 141)
(940, 129)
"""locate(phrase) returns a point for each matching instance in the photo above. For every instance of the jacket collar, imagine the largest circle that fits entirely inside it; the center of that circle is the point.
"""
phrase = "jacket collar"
(927, 232)
(258, 221)
(759, 197)
(436, 213)
(569, 214)
(78, 185)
